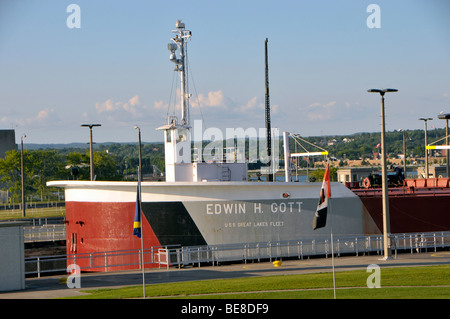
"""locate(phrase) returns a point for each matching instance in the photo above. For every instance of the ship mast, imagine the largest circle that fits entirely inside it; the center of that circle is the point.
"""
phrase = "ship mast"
(268, 129)
(179, 42)
(177, 137)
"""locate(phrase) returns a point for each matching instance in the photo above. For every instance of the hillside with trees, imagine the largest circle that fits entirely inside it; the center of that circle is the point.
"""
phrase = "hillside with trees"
(364, 145)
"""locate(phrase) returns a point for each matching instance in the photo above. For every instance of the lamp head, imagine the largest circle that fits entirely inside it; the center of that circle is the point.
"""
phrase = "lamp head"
(381, 91)
(444, 116)
(90, 125)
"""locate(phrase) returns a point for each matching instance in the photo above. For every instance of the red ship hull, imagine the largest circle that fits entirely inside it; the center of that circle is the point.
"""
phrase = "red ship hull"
(109, 226)
(421, 206)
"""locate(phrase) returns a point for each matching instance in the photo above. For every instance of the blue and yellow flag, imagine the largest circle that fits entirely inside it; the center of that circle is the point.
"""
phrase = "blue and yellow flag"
(137, 230)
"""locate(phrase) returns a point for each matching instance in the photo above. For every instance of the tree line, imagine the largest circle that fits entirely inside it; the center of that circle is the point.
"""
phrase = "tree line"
(113, 162)
(364, 145)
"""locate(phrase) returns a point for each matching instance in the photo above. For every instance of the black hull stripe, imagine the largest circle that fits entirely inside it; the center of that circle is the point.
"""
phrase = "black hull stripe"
(172, 224)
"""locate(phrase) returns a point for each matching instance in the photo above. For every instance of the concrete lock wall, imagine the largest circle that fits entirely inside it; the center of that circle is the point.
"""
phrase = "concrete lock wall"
(12, 257)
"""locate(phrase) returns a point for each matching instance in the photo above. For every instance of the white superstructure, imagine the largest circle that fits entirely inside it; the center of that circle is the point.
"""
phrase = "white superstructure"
(177, 133)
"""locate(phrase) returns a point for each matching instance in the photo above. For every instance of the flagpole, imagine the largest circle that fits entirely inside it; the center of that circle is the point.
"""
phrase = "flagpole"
(332, 249)
(320, 217)
(142, 234)
(332, 243)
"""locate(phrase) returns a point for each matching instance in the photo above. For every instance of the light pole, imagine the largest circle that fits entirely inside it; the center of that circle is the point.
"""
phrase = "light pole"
(386, 219)
(446, 117)
(91, 151)
(22, 174)
(140, 154)
(426, 143)
(404, 154)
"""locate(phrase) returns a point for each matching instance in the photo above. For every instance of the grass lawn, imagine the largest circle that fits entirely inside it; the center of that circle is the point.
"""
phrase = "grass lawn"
(430, 282)
(44, 212)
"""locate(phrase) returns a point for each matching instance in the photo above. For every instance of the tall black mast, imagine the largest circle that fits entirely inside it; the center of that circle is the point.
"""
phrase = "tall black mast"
(268, 130)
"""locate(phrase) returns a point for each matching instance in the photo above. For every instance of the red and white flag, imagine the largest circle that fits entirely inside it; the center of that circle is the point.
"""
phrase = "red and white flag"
(320, 217)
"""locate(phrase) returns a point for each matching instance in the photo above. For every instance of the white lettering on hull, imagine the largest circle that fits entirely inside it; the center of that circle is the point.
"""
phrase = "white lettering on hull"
(241, 208)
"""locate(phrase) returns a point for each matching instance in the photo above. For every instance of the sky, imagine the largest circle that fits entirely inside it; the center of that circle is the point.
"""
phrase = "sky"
(114, 68)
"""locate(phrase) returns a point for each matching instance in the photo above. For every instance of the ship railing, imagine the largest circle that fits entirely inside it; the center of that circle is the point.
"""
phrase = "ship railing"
(46, 232)
(422, 242)
(342, 245)
(177, 256)
(97, 261)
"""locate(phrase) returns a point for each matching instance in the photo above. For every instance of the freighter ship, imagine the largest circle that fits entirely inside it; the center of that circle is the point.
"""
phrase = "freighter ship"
(202, 203)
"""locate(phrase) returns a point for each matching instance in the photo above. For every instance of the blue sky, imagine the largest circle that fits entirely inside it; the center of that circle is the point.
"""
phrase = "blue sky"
(115, 69)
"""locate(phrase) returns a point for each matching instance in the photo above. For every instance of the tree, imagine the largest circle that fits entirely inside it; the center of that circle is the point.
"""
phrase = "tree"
(319, 173)
(105, 167)
(78, 165)
(39, 167)
(10, 173)
(45, 165)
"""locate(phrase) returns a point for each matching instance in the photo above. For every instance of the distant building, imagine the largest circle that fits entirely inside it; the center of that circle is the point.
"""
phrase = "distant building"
(353, 175)
(433, 171)
(7, 142)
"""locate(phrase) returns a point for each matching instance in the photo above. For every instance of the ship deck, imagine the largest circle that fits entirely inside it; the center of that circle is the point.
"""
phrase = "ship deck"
(418, 187)
(403, 192)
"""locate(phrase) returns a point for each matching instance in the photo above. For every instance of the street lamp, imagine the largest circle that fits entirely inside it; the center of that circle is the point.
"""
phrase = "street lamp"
(91, 151)
(404, 152)
(426, 143)
(446, 117)
(386, 220)
(22, 174)
(140, 156)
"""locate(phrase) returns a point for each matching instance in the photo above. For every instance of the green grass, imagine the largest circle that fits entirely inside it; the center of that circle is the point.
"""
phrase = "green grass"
(405, 282)
(44, 212)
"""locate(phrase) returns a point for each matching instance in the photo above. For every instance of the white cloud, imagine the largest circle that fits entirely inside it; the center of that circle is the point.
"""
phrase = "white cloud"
(251, 105)
(252, 102)
(134, 100)
(43, 114)
(335, 111)
(213, 99)
(43, 117)
(121, 111)
(131, 105)
(160, 105)
(106, 106)
(320, 112)
(109, 106)
(216, 108)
